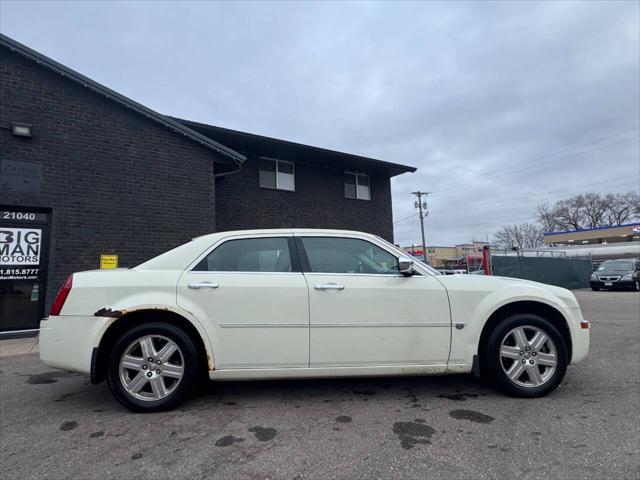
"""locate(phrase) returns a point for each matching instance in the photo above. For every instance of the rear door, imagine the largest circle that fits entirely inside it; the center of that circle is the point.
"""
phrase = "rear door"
(363, 312)
(252, 294)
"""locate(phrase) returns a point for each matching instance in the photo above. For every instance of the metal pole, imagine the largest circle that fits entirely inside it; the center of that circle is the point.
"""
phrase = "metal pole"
(421, 207)
(486, 260)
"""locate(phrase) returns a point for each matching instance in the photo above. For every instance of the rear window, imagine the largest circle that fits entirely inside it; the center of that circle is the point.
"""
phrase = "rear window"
(616, 265)
(248, 255)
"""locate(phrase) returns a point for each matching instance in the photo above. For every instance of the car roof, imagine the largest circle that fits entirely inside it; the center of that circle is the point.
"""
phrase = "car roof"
(283, 231)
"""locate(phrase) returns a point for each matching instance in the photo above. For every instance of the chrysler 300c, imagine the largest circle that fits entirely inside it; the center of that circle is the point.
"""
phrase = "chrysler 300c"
(304, 303)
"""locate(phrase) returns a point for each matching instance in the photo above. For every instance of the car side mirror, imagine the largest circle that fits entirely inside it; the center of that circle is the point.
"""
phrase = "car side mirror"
(405, 265)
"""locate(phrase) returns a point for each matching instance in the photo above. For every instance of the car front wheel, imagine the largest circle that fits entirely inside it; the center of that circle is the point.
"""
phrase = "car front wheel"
(152, 367)
(526, 356)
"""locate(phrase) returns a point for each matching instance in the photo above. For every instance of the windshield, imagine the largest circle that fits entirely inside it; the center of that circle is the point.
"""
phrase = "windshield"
(616, 265)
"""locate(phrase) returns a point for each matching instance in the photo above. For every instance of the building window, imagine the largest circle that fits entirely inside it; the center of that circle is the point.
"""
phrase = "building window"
(356, 185)
(277, 174)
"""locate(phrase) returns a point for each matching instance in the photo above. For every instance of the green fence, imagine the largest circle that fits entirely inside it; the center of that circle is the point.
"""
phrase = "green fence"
(563, 272)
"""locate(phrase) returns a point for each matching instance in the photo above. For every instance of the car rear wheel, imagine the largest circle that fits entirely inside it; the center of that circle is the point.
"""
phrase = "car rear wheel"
(152, 367)
(526, 356)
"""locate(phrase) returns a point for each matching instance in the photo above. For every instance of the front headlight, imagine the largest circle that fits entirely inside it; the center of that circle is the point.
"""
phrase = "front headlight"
(593, 276)
(628, 276)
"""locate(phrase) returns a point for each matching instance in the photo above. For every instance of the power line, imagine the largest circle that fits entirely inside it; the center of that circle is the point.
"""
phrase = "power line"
(544, 197)
(520, 169)
(529, 200)
(503, 222)
(561, 151)
(504, 170)
(413, 215)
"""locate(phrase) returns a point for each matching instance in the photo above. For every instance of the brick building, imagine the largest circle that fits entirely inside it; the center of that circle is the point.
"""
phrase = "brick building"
(85, 171)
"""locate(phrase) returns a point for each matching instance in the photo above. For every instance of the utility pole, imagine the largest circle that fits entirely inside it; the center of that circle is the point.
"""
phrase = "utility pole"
(422, 211)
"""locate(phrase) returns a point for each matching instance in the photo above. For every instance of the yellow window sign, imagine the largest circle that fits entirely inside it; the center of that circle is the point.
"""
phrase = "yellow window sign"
(108, 261)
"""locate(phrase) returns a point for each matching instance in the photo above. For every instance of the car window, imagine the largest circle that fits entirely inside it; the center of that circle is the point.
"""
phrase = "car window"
(616, 265)
(348, 255)
(249, 255)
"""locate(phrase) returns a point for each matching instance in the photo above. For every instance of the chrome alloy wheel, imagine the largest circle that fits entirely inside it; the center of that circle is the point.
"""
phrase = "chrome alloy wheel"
(528, 356)
(151, 367)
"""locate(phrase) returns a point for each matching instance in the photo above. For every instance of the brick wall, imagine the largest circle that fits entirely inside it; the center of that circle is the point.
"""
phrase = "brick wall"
(318, 202)
(115, 181)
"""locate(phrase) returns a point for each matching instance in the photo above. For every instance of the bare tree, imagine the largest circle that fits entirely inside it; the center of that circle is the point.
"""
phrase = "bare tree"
(589, 210)
(546, 218)
(634, 199)
(595, 207)
(622, 208)
(524, 235)
(569, 214)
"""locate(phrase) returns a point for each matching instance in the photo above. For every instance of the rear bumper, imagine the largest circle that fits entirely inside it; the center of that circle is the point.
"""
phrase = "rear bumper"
(67, 342)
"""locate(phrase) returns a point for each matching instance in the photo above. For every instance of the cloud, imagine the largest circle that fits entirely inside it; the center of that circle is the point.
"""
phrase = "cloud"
(457, 89)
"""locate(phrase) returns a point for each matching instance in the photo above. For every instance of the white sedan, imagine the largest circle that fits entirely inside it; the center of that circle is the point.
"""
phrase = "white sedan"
(304, 303)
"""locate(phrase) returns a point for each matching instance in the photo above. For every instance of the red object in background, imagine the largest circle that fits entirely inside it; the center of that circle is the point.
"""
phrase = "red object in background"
(486, 260)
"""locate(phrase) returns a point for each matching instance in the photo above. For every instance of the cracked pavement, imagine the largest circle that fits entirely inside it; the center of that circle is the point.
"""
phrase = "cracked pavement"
(55, 424)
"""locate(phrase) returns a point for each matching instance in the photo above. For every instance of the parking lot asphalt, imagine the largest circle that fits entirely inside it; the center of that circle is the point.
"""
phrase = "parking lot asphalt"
(57, 425)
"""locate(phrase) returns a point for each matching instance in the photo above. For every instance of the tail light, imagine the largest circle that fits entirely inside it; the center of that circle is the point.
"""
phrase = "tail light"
(58, 303)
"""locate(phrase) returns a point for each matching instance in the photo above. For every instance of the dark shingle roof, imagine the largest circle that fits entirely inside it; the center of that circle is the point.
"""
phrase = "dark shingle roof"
(86, 82)
(259, 145)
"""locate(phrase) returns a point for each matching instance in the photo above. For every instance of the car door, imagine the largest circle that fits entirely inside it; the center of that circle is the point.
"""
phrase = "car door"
(363, 312)
(250, 292)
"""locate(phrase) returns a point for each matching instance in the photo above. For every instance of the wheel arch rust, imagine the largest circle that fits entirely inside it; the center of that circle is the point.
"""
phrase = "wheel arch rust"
(126, 318)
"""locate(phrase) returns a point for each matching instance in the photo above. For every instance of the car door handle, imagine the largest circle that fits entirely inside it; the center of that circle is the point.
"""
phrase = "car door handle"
(196, 286)
(329, 286)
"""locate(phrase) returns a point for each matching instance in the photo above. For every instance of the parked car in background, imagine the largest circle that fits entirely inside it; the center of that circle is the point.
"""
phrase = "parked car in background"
(304, 303)
(445, 271)
(612, 274)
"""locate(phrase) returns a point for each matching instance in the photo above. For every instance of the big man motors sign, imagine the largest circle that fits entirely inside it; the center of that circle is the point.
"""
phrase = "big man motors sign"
(20, 248)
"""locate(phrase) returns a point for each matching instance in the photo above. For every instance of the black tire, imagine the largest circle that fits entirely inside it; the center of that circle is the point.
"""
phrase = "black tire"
(636, 285)
(496, 366)
(189, 360)
(595, 289)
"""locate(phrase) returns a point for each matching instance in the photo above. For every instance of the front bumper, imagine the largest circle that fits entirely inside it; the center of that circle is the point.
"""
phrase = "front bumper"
(67, 342)
(580, 333)
(617, 284)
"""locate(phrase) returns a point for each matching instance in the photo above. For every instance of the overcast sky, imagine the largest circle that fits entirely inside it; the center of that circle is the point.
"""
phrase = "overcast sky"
(500, 105)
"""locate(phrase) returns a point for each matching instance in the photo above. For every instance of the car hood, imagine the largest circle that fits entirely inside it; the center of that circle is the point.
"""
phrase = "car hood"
(493, 283)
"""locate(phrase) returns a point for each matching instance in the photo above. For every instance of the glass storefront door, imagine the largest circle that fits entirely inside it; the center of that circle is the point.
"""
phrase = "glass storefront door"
(24, 245)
